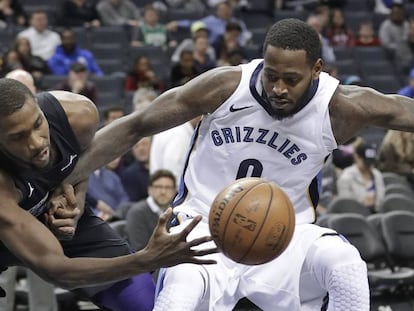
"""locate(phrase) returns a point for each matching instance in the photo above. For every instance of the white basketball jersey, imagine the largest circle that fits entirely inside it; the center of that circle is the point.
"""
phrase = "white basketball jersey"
(241, 139)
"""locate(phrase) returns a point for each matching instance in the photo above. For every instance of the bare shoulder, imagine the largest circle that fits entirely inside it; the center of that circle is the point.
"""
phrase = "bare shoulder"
(354, 107)
(82, 114)
(211, 88)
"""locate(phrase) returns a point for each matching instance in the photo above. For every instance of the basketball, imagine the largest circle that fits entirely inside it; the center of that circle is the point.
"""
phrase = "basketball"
(252, 221)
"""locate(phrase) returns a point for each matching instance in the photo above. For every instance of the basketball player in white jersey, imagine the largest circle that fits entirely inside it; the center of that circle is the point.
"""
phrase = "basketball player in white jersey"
(277, 118)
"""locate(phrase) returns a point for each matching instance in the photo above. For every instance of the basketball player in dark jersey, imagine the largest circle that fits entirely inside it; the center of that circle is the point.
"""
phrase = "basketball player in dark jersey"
(41, 139)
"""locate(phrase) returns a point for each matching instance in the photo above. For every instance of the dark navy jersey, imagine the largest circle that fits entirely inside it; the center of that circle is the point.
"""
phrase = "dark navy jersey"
(36, 185)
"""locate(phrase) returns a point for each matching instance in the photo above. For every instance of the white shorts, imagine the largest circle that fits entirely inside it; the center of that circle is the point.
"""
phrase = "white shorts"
(271, 286)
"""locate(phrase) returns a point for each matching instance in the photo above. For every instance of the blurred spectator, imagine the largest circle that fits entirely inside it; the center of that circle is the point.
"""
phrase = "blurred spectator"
(338, 32)
(405, 50)
(393, 30)
(105, 185)
(78, 82)
(408, 90)
(323, 12)
(112, 113)
(216, 23)
(328, 54)
(79, 13)
(33, 64)
(366, 35)
(384, 6)
(142, 217)
(193, 5)
(183, 71)
(169, 149)
(362, 181)
(235, 57)
(202, 60)
(396, 153)
(68, 53)
(143, 96)
(151, 31)
(12, 13)
(120, 13)
(227, 42)
(42, 40)
(143, 76)
(198, 29)
(10, 61)
(135, 176)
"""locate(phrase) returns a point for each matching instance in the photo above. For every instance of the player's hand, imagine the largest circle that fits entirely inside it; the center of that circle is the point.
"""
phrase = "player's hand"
(165, 249)
(63, 213)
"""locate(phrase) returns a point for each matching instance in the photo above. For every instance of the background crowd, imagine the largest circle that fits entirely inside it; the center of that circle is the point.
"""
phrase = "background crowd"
(122, 53)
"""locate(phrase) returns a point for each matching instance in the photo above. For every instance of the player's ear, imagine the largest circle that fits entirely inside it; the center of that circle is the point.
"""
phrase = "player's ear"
(317, 68)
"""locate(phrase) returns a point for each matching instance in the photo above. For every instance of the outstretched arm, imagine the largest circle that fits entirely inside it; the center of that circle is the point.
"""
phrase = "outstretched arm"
(201, 95)
(37, 248)
(354, 107)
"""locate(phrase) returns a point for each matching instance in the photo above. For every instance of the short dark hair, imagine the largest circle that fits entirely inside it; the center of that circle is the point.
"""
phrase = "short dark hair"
(13, 95)
(294, 34)
(160, 174)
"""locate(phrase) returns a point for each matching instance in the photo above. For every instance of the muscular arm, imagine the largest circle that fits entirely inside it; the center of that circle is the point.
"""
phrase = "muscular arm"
(201, 95)
(353, 108)
(30, 241)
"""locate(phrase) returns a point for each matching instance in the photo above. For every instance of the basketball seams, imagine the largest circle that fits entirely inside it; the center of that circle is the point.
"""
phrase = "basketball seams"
(262, 224)
(223, 242)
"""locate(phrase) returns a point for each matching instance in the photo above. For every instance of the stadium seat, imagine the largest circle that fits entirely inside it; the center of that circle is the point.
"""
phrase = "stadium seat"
(388, 84)
(258, 35)
(346, 67)
(398, 232)
(256, 19)
(119, 226)
(381, 272)
(282, 14)
(376, 68)
(394, 178)
(347, 205)
(343, 53)
(49, 82)
(396, 202)
(180, 14)
(355, 18)
(369, 54)
(403, 189)
(110, 34)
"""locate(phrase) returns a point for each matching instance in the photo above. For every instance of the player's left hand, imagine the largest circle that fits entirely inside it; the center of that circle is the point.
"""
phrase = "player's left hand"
(63, 213)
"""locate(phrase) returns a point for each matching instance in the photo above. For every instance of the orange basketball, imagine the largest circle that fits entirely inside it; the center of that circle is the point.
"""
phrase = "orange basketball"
(252, 221)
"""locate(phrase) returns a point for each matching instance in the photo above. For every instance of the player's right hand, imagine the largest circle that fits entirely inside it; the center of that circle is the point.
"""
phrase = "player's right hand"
(165, 249)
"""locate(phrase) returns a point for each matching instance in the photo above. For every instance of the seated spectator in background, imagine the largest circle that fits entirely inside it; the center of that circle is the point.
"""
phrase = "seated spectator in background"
(135, 176)
(68, 53)
(12, 13)
(169, 148)
(142, 76)
(396, 154)
(112, 113)
(236, 57)
(142, 217)
(393, 29)
(328, 54)
(78, 82)
(338, 32)
(10, 61)
(120, 13)
(202, 61)
(184, 70)
(216, 23)
(143, 96)
(42, 40)
(362, 180)
(105, 185)
(79, 13)
(33, 64)
(408, 90)
(151, 31)
(227, 42)
(366, 35)
(405, 50)
(198, 29)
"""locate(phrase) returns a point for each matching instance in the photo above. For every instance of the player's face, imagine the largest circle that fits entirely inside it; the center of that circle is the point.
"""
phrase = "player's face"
(25, 135)
(286, 78)
(162, 191)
